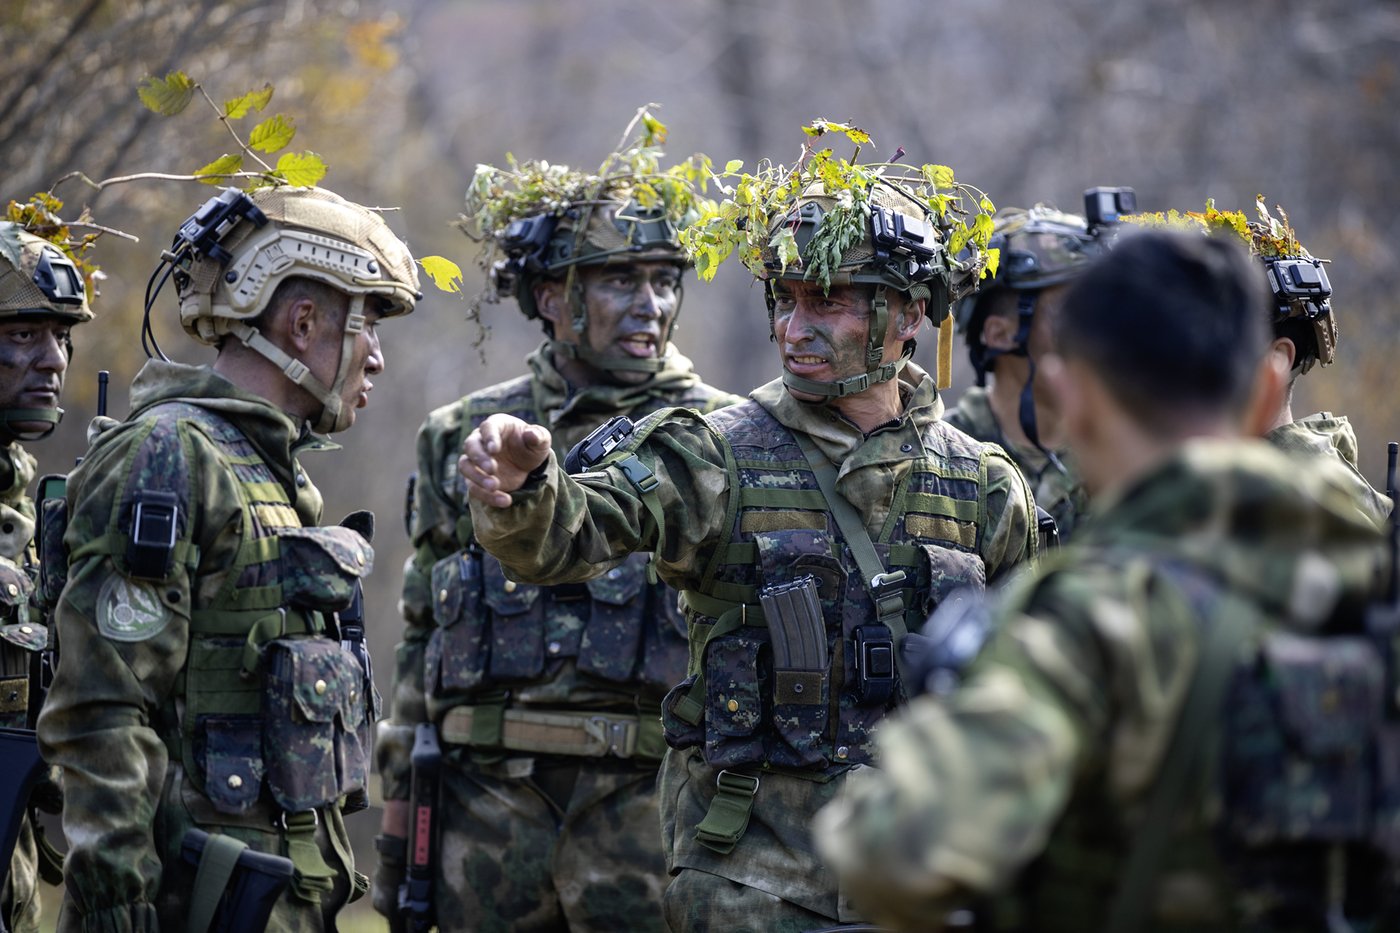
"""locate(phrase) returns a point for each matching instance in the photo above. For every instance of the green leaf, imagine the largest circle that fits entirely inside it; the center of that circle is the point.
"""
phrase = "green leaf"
(302, 168)
(445, 273)
(732, 166)
(940, 176)
(272, 134)
(217, 172)
(993, 263)
(167, 96)
(987, 205)
(655, 131)
(239, 107)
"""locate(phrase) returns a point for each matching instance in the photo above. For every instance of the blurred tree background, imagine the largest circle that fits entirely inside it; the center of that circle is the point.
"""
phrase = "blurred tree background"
(1182, 99)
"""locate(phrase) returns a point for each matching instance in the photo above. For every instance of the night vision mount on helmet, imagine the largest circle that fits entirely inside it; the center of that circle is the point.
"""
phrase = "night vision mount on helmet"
(230, 256)
(37, 281)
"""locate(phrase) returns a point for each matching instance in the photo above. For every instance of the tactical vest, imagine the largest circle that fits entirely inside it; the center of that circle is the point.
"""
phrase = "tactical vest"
(623, 630)
(269, 706)
(22, 636)
(735, 703)
(1293, 746)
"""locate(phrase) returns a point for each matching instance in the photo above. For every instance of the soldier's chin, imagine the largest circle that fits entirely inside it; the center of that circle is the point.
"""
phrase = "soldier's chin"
(29, 430)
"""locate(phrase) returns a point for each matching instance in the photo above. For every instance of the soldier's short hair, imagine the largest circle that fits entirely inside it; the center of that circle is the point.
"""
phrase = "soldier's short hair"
(1174, 324)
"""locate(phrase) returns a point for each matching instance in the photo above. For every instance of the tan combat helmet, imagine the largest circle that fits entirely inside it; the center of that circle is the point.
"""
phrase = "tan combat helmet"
(37, 282)
(231, 255)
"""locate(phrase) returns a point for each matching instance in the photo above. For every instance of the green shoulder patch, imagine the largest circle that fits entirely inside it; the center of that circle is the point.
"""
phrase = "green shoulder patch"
(130, 610)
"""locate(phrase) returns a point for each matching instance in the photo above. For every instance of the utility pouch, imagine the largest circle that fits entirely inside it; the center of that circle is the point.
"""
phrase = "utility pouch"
(155, 523)
(319, 568)
(1301, 723)
(735, 685)
(613, 637)
(517, 625)
(874, 664)
(313, 711)
(458, 649)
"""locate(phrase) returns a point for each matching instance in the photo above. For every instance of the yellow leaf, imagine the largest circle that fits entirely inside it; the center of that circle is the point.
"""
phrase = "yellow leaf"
(167, 96)
(239, 107)
(272, 134)
(445, 273)
(217, 172)
(302, 168)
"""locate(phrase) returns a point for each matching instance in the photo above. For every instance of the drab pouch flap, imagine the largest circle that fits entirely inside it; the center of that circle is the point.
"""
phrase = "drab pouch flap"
(1330, 691)
(319, 566)
(622, 584)
(453, 578)
(506, 597)
(15, 585)
(233, 764)
(325, 681)
(25, 635)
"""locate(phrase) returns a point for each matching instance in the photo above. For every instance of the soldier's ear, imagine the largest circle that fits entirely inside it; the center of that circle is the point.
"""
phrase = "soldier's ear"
(909, 319)
(1270, 390)
(999, 332)
(294, 325)
(549, 299)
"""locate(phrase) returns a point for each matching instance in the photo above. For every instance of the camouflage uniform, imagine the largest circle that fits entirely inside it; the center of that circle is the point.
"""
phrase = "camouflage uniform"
(537, 841)
(1327, 441)
(151, 716)
(1027, 785)
(733, 509)
(1060, 494)
(21, 635)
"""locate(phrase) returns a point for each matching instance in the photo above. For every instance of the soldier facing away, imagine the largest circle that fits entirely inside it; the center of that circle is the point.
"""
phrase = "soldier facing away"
(803, 527)
(42, 298)
(1162, 731)
(548, 820)
(1007, 325)
(202, 681)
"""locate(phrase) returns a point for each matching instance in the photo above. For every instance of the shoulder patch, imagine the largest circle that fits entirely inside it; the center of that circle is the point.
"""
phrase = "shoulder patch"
(130, 610)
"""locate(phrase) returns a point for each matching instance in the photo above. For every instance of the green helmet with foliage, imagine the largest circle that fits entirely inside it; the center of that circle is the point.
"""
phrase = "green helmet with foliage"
(1302, 309)
(1040, 247)
(841, 222)
(230, 256)
(539, 222)
(38, 281)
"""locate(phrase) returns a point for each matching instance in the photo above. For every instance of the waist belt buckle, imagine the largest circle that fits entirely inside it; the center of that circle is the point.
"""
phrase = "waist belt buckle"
(614, 733)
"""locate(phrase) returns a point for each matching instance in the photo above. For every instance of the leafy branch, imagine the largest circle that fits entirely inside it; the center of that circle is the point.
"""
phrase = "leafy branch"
(1268, 237)
(747, 220)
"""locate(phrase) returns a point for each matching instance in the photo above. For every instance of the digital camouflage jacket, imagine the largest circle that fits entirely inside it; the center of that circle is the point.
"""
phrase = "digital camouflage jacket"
(1063, 496)
(1327, 442)
(606, 646)
(1027, 784)
(205, 692)
(22, 634)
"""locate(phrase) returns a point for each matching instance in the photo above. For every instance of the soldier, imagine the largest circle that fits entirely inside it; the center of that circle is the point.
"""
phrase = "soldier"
(1305, 335)
(549, 822)
(1007, 325)
(41, 299)
(834, 504)
(1064, 780)
(201, 681)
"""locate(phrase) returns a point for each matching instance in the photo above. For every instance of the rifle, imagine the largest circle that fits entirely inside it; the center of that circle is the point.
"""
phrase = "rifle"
(19, 749)
(416, 913)
(235, 887)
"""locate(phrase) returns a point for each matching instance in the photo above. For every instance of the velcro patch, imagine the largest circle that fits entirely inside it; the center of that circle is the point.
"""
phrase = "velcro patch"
(130, 610)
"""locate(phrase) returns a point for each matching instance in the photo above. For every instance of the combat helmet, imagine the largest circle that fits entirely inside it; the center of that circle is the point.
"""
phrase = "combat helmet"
(231, 254)
(541, 221)
(37, 281)
(1040, 248)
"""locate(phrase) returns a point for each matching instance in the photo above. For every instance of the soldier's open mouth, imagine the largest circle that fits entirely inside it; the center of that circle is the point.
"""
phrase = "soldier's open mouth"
(640, 345)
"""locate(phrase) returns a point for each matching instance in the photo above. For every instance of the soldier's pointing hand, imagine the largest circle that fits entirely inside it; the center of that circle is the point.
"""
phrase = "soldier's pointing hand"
(499, 455)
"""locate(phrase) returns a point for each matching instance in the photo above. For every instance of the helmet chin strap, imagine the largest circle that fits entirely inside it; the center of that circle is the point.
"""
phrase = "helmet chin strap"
(876, 371)
(335, 414)
(11, 417)
(1025, 314)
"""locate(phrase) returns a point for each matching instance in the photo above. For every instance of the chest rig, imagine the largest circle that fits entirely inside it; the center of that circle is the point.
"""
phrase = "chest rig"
(774, 684)
(498, 638)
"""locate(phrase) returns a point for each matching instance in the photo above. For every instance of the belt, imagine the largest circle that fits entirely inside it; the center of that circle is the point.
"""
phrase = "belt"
(555, 732)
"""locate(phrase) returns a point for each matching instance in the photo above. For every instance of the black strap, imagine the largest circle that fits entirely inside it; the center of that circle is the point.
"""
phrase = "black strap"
(882, 586)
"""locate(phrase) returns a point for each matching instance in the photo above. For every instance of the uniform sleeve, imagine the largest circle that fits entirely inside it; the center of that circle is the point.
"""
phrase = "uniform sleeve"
(1008, 518)
(563, 529)
(970, 787)
(440, 528)
(122, 644)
